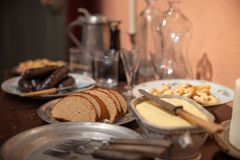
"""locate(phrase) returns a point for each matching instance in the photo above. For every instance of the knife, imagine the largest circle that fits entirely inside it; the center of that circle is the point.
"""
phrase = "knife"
(179, 111)
(49, 91)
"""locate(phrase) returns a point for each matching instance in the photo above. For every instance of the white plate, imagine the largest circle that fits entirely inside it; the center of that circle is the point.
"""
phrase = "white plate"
(81, 83)
(222, 93)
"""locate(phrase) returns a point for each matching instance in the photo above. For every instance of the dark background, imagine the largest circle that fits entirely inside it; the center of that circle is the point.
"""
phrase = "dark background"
(30, 30)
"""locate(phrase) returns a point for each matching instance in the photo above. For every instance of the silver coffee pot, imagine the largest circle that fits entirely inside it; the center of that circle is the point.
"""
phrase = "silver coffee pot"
(95, 31)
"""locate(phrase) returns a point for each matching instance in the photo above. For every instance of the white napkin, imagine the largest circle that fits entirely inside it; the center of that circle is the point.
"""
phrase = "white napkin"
(234, 134)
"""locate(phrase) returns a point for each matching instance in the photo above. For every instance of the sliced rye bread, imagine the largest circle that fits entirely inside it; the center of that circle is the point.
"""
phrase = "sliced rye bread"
(100, 107)
(107, 100)
(114, 98)
(74, 108)
(121, 100)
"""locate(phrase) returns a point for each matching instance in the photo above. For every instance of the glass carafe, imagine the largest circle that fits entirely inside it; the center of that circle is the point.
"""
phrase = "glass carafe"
(147, 39)
(176, 30)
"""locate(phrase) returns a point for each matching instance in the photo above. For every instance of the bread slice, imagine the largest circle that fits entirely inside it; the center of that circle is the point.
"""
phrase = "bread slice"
(114, 98)
(107, 100)
(121, 100)
(74, 108)
(100, 107)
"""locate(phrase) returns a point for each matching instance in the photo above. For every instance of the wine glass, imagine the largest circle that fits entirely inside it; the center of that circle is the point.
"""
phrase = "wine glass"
(131, 61)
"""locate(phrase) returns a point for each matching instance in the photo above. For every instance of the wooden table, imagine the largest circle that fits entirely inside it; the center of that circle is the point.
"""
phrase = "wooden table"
(19, 114)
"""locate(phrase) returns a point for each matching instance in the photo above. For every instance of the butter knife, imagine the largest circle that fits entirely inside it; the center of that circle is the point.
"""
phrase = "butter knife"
(179, 111)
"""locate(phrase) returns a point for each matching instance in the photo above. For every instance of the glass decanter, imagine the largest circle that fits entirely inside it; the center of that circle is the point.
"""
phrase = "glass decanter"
(147, 39)
(175, 29)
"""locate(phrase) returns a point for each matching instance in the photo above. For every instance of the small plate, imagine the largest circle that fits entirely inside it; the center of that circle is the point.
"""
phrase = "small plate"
(81, 83)
(222, 140)
(222, 93)
(44, 112)
(31, 144)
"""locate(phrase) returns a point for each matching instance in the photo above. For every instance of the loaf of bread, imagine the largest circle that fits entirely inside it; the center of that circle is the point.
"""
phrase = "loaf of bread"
(91, 105)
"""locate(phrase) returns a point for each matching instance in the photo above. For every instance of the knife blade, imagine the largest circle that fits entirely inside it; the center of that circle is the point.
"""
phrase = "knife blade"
(164, 105)
(179, 111)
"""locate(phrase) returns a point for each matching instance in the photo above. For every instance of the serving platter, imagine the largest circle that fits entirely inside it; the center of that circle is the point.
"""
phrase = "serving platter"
(31, 144)
(82, 82)
(222, 93)
(44, 112)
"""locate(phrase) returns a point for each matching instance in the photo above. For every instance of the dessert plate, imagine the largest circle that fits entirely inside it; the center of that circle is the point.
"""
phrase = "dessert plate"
(222, 93)
(33, 143)
(81, 83)
(44, 112)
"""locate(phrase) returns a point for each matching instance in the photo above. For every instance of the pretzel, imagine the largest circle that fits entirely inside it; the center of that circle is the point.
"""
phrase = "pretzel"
(203, 89)
(185, 90)
(204, 98)
(160, 90)
(200, 93)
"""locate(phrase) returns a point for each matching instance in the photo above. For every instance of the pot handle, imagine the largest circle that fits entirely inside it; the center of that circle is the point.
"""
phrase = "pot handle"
(77, 22)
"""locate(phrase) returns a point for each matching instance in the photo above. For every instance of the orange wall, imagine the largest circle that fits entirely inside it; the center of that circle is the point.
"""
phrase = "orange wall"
(216, 31)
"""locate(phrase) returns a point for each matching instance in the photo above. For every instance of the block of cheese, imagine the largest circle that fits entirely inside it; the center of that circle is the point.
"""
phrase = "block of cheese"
(161, 118)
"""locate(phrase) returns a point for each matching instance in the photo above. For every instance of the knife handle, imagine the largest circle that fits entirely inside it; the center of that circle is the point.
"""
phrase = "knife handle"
(38, 93)
(147, 151)
(116, 155)
(146, 142)
(207, 125)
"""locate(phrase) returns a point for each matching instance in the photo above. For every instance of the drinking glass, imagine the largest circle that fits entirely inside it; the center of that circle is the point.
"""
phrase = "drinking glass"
(131, 61)
(106, 68)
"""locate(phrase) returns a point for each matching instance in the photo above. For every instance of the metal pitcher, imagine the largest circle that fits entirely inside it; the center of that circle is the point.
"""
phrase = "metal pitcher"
(95, 32)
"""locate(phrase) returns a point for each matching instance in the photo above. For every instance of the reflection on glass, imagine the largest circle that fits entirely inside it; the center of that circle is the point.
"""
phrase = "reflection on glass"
(146, 39)
(175, 29)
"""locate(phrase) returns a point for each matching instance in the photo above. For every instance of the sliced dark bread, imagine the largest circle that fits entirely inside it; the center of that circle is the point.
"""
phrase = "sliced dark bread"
(121, 100)
(107, 100)
(114, 98)
(100, 107)
(74, 108)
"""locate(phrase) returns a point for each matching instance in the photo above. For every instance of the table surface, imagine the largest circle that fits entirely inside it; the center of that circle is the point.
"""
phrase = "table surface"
(19, 114)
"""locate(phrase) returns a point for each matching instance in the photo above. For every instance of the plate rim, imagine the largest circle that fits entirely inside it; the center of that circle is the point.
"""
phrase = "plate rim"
(230, 99)
(46, 105)
(16, 78)
(18, 138)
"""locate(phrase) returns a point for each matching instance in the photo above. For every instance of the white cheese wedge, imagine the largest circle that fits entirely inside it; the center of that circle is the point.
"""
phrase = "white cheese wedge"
(151, 113)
